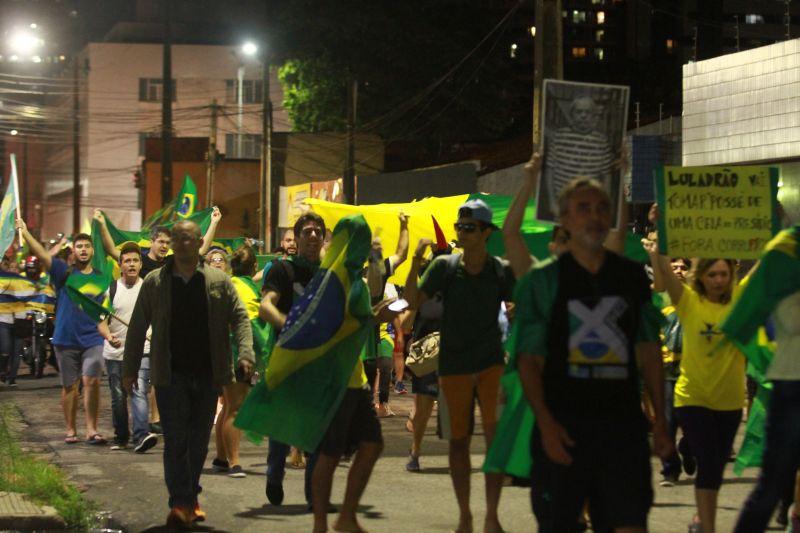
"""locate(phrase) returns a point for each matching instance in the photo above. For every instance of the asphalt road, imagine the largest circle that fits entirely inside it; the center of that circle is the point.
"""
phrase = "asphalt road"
(130, 486)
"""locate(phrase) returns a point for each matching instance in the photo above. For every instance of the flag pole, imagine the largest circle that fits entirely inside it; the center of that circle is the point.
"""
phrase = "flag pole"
(16, 194)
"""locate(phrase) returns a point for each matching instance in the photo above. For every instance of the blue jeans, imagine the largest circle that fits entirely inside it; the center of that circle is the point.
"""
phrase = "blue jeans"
(780, 459)
(187, 407)
(10, 351)
(671, 466)
(276, 465)
(119, 402)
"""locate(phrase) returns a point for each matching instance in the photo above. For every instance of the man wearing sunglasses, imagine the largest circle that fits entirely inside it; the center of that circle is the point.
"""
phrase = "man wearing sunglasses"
(473, 286)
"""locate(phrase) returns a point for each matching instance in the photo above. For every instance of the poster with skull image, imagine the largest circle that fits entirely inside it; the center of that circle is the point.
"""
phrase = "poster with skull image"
(583, 130)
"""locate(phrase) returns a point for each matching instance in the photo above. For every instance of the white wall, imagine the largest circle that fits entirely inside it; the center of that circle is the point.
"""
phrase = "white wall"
(743, 107)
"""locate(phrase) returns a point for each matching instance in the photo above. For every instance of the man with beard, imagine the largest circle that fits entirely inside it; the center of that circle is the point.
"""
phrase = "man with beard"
(77, 343)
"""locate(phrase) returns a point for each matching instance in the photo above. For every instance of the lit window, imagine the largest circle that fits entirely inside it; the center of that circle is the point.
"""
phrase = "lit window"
(595, 2)
(670, 44)
(599, 53)
(601, 17)
(754, 19)
(578, 51)
(599, 35)
(532, 29)
(578, 16)
(563, 14)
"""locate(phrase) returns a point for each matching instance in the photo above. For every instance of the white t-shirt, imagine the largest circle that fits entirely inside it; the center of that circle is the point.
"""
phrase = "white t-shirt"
(124, 301)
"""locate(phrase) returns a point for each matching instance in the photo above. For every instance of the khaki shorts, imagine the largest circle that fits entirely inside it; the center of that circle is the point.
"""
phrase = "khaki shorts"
(458, 391)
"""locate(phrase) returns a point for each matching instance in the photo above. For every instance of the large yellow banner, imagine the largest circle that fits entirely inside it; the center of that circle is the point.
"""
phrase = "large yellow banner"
(716, 212)
(384, 223)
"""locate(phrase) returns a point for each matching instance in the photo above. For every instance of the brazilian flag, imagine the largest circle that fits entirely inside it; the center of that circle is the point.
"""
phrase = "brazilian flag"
(776, 277)
(95, 284)
(263, 332)
(317, 350)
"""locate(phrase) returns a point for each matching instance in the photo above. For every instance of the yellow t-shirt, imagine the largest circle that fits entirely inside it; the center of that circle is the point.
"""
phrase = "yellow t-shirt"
(709, 378)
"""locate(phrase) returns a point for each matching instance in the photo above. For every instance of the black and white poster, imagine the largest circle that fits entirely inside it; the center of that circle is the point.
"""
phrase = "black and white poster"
(582, 134)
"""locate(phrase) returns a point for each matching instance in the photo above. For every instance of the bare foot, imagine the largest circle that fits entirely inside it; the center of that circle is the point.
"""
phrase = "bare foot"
(348, 526)
(464, 524)
(492, 526)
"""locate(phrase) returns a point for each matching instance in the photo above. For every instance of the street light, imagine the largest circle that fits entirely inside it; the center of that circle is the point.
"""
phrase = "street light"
(24, 42)
(249, 48)
(13, 132)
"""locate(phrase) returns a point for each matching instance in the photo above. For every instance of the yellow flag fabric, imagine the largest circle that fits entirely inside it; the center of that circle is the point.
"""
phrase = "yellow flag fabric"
(383, 222)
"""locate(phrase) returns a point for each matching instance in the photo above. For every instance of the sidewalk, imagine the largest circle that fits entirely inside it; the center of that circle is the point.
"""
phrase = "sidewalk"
(130, 486)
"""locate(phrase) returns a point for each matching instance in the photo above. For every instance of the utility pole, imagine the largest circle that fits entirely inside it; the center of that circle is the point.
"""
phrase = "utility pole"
(660, 116)
(694, 45)
(736, 18)
(267, 219)
(349, 166)
(548, 56)
(788, 17)
(76, 149)
(166, 110)
(211, 168)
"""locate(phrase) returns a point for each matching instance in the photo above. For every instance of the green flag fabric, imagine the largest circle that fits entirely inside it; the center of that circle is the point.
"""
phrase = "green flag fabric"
(317, 351)
(183, 206)
(95, 310)
(8, 210)
(776, 277)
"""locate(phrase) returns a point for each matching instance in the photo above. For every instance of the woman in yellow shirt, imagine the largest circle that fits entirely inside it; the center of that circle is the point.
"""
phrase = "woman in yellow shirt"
(710, 392)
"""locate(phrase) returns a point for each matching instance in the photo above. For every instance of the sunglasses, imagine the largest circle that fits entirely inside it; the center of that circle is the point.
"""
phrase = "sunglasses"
(467, 227)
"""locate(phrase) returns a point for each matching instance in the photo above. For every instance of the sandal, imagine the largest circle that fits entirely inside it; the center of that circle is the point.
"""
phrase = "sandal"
(96, 440)
(71, 439)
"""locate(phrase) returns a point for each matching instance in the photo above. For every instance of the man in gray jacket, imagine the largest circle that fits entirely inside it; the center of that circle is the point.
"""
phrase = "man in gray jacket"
(192, 310)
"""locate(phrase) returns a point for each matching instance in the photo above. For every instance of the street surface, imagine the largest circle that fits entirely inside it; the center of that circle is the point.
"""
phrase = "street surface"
(130, 486)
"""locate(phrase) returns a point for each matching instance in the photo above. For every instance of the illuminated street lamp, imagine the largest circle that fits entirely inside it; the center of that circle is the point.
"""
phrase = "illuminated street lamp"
(13, 132)
(24, 42)
(249, 48)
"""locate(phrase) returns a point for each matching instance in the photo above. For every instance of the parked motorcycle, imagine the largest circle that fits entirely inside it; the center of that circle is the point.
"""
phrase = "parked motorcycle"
(37, 350)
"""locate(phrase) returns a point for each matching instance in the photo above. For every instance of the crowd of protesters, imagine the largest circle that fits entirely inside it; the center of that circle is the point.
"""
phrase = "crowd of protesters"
(615, 358)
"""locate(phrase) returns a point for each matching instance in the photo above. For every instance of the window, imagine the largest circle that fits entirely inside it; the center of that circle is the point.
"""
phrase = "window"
(599, 35)
(595, 2)
(143, 136)
(578, 16)
(150, 90)
(252, 91)
(601, 17)
(578, 51)
(754, 19)
(670, 44)
(250, 146)
(599, 53)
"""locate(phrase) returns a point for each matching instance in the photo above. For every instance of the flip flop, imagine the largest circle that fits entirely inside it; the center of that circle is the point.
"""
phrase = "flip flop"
(96, 440)
(71, 439)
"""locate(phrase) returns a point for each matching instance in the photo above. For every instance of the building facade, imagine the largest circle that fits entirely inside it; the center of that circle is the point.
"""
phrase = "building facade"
(119, 107)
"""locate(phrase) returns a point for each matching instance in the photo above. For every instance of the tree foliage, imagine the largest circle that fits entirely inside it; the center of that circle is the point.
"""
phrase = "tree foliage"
(397, 50)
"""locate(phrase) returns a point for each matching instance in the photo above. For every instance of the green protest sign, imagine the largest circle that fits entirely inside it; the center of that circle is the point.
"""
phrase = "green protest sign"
(710, 212)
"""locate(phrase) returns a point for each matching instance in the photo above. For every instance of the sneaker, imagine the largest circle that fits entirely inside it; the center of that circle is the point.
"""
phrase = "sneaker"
(11, 382)
(117, 446)
(668, 481)
(180, 517)
(220, 465)
(413, 463)
(236, 471)
(147, 442)
(400, 388)
(156, 428)
(275, 493)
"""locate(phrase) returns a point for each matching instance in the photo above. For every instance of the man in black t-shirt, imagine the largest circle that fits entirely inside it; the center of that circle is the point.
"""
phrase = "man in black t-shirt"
(284, 283)
(585, 318)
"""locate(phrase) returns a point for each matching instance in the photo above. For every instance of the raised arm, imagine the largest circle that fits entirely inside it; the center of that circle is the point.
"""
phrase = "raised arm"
(616, 238)
(35, 246)
(57, 247)
(651, 247)
(401, 254)
(208, 238)
(517, 252)
(411, 292)
(108, 242)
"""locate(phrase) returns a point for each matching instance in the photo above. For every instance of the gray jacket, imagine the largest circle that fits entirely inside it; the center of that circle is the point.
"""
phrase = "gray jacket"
(226, 313)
